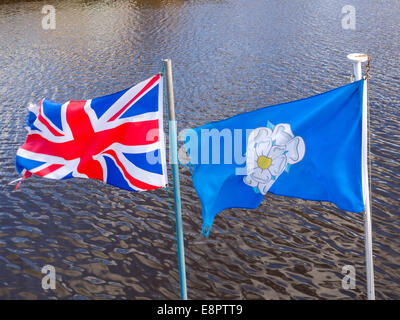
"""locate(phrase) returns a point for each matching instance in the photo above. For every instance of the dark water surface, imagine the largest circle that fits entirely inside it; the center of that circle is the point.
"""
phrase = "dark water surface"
(228, 57)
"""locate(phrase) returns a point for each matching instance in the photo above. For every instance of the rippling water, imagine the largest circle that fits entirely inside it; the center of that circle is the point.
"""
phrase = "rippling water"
(228, 57)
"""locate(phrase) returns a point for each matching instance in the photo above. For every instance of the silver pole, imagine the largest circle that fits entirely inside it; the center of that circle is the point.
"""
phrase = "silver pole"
(357, 59)
(173, 144)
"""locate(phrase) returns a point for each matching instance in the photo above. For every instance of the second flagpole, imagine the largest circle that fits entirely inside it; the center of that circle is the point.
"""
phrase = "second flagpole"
(173, 144)
(357, 59)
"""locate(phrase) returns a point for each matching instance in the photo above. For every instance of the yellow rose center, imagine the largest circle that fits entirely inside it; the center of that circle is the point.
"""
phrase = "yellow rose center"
(263, 162)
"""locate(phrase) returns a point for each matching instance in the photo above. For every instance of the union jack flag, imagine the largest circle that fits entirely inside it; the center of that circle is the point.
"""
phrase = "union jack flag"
(118, 139)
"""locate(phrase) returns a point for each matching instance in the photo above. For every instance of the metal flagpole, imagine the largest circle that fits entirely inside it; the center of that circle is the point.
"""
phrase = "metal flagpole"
(357, 60)
(173, 144)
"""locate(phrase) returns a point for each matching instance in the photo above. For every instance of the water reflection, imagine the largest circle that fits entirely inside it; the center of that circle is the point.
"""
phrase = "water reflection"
(228, 57)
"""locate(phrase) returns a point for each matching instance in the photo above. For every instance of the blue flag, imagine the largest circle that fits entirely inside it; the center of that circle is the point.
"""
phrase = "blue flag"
(308, 149)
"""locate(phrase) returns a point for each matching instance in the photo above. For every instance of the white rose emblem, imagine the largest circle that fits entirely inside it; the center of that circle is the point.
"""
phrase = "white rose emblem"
(271, 150)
